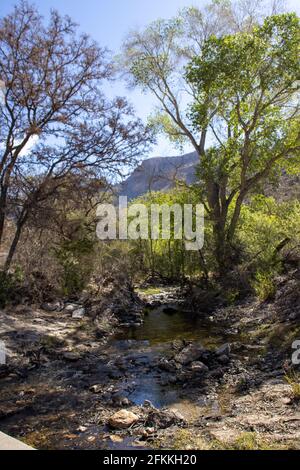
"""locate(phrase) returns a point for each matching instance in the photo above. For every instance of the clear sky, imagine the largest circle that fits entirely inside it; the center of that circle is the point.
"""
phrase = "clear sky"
(108, 22)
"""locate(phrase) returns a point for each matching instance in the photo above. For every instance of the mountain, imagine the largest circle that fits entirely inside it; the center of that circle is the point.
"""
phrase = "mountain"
(159, 174)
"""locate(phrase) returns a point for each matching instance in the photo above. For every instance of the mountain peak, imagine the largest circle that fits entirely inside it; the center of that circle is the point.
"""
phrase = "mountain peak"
(159, 174)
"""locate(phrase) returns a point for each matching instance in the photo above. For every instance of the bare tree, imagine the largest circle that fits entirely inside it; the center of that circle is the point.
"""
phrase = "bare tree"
(53, 118)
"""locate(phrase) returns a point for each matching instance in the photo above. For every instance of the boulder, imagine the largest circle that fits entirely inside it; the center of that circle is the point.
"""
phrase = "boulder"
(78, 314)
(96, 388)
(122, 419)
(223, 350)
(177, 344)
(115, 438)
(224, 359)
(294, 315)
(190, 353)
(163, 419)
(199, 367)
(71, 356)
(52, 306)
(81, 429)
(169, 366)
(71, 307)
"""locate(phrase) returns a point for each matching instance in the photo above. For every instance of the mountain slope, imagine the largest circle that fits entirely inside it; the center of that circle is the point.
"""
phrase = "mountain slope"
(159, 174)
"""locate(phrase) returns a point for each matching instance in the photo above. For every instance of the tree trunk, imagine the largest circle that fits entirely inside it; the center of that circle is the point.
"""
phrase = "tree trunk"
(235, 216)
(3, 197)
(221, 252)
(14, 244)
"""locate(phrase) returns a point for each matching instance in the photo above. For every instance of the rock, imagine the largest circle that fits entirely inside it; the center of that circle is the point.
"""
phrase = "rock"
(120, 400)
(177, 415)
(71, 307)
(70, 436)
(177, 344)
(216, 373)
(96, 388)
(78, 314)
(115, 374)
(166, 365)
(122, 419)
(115, 438)
(150, 431)
(126, 402)
(148, 404)
(294, 315)
(52, 306)
(163, 419)
(223, 359)
(71, 356)
(22, 309)
(225, 436)
(190, 353)
(199, 367)
(137, 443)
(81, 428)
(223, 350)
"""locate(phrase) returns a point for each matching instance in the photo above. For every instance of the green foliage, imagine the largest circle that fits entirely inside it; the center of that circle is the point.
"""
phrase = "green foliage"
(293, 380)
(249, 441)
(264, 225)
(75, 257)
(168, 258)
(247, 81)
(149, 290)
(266, 229)
(247, 86)
(264, 286)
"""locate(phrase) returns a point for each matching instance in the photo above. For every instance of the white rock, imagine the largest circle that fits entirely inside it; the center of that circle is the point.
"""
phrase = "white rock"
(71, 307)
(78, 314)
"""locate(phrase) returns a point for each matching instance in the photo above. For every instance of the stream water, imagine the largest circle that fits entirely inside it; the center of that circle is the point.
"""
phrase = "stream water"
(143, 345)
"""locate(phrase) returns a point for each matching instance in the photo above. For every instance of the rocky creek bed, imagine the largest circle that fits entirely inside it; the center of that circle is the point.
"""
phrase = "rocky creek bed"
(112, 374)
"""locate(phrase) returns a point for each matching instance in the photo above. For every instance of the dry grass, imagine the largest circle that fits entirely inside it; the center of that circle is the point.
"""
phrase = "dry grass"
(293, 380)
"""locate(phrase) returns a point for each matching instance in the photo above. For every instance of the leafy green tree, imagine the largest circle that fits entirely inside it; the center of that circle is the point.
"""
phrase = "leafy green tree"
(248, 86)
(155, 58)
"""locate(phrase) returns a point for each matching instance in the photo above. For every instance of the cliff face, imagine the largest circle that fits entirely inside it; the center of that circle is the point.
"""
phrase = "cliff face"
(159, 174)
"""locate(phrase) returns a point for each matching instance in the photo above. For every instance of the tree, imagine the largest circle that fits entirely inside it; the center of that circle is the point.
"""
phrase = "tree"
(54, 120)
(247, 95)
(156, 59)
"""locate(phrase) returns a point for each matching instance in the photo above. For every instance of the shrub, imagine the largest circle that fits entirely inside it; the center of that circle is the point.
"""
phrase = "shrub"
(9, 284)
(264, 286)
(293, 380)
(75, 258)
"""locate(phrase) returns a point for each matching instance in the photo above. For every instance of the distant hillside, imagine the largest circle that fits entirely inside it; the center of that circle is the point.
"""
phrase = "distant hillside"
(159, 174)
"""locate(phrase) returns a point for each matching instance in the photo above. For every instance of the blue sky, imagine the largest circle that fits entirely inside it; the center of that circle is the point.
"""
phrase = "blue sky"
(108, 21)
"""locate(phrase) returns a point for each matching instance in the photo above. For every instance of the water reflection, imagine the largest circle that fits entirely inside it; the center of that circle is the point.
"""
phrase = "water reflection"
(163, 325)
